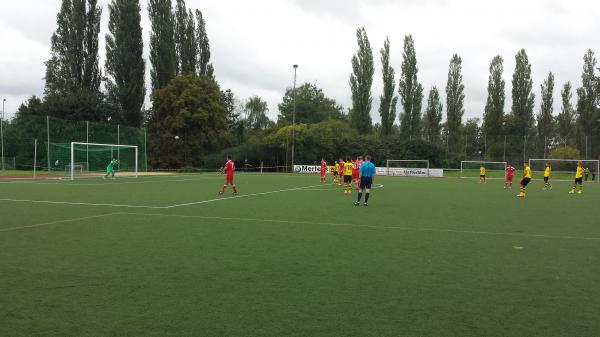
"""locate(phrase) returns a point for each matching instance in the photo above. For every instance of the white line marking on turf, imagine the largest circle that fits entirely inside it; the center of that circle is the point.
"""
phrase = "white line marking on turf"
(57, 222)
(413, 229)
(102, 182)
(80, 203)
(239, 196)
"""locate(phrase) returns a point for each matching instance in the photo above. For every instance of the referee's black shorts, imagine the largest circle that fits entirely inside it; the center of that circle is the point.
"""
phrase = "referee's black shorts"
(366, 182)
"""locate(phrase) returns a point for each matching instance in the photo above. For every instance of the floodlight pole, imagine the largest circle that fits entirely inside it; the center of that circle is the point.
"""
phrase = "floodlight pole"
(294, 118)
(2, 132)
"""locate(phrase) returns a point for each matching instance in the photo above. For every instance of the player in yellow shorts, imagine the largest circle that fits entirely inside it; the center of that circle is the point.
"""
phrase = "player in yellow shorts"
(482, 174)
(547, 174)
(578, 178)
(525, 181)
(348, 168)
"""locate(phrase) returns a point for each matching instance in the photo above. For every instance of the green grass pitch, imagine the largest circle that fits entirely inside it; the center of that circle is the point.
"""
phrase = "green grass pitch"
(165, 256)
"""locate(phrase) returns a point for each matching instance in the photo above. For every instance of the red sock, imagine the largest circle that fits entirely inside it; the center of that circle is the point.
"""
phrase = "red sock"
(223, 189)
(234, 189)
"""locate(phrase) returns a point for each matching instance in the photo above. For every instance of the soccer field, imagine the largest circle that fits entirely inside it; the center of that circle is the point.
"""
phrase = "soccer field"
(166, 256)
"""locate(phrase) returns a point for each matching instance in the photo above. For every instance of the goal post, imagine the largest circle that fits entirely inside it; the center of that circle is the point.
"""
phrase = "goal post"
(494, 169)
(407, 168)
(90, 159)
(564, 169)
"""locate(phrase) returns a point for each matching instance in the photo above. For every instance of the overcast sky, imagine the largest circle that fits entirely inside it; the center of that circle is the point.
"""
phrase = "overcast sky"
(254, 43)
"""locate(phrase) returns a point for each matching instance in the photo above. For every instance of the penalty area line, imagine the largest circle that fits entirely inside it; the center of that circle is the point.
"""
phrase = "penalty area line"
(11, 229)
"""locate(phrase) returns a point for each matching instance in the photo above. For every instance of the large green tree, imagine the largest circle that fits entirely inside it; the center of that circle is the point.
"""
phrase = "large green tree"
(125, 65)
(432, 120)
(163, 57)
(73, 65)
(411, 93)
(566, 118)
(204, 66)
(493, 116)
(587, 99)
(455, 98)
(388, 101)
(312, 106)
(361, 81)
(545, 120)
(192, 108)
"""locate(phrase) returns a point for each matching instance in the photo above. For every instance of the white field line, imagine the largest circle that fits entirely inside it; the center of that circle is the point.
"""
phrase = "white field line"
(412, 229)
(151, 207)
(56, 222)
(103, 183)
(240, 196)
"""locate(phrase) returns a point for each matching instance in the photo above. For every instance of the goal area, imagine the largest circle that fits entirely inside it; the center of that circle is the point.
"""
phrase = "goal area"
(493, 169)
(564, 169)
(407, 168)
(79, 160)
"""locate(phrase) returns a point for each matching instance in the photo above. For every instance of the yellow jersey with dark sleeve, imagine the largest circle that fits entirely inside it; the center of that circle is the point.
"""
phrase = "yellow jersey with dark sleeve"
(337, 168)
(527, 172)
(579, 173)
(482, 171)
(547, 172)
(348, 167)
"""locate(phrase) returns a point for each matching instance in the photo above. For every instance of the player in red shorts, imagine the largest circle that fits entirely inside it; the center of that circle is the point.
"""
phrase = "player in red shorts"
(323, 171)
(509, 174)
(230, 170)
(355, 174)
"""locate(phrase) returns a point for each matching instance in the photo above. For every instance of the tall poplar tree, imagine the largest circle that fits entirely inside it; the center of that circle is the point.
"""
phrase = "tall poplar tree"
(432, 121)
(493, 116)
(522, 98)
(388, 101)
(163, 57)
(185, 39)
(205, 68)
(411, 92)
(545, 120)
(125, 65)
(587, 98)
(566, 118)
(455, 98)
(73, 65)
(361, 81)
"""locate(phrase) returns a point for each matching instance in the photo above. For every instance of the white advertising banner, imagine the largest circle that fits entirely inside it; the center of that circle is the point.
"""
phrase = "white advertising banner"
(394, 171)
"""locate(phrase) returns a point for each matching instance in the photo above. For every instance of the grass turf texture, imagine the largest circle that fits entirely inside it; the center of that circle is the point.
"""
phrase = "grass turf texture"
(428, 257)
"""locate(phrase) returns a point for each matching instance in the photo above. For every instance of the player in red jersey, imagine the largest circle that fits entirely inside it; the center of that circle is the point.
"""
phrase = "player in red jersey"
(323, 171)
(355, 174)
(509, 174)
(230, 170)
(341, 172)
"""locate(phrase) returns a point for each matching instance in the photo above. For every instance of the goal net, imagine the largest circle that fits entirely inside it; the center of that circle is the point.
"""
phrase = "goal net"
(493, 169)
(407, 168)
(79, 160)
(564, 169)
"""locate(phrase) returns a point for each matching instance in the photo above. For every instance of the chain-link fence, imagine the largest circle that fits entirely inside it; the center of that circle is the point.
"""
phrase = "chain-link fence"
(29, 142)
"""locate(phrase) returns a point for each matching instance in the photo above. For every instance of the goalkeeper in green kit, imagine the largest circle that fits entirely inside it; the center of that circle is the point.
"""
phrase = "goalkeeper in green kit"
(110, 169)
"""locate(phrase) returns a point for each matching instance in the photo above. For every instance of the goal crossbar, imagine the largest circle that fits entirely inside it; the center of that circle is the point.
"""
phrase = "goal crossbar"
(74, 144)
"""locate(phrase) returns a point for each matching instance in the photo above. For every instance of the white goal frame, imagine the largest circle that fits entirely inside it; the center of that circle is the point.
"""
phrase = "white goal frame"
(387, 164)
(596, 161)
(72, 163)
(480, 162)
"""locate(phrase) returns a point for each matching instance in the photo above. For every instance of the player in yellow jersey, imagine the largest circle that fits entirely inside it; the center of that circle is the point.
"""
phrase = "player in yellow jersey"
(578, 178)
(348, 168)
(336, 172)
(482, 174)
(547, 174)
(525, 181)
